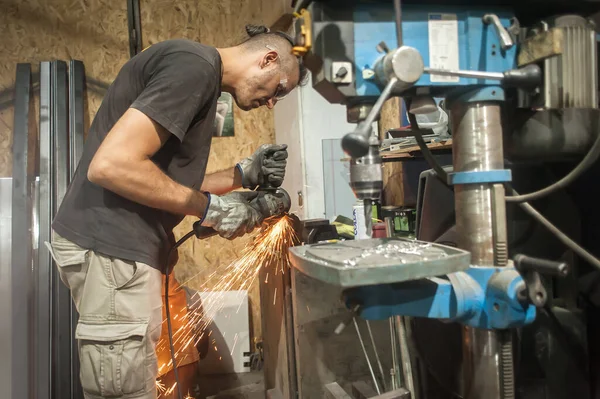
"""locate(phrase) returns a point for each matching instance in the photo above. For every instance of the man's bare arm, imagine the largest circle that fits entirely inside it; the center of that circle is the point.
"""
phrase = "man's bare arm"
(222, 182)
(122, 164)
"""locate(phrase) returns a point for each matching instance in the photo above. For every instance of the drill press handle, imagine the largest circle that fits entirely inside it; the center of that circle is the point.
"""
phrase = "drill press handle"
(356, 143)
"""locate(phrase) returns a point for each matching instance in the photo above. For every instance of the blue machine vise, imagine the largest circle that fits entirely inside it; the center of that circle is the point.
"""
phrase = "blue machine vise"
(481, 297)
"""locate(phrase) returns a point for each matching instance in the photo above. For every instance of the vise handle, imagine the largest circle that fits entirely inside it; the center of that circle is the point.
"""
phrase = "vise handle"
(524, 263)
(530, 269)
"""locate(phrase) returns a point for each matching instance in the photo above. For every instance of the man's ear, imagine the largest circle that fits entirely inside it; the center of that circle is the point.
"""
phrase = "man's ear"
(270, 59)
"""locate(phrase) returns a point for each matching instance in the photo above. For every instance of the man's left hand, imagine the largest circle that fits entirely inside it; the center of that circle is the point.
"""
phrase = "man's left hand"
(265, 167)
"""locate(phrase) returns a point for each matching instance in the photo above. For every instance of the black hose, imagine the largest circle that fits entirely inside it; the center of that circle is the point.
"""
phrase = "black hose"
(168, 312)
(585, 163)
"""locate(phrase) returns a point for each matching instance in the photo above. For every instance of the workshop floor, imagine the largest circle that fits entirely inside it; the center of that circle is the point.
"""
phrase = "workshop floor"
(232, 386)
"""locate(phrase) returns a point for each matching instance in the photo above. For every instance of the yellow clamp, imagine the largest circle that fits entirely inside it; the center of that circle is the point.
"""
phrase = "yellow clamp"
(304, 36)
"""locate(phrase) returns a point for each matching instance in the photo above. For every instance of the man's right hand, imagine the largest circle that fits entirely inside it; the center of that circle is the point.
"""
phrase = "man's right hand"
(231, 214)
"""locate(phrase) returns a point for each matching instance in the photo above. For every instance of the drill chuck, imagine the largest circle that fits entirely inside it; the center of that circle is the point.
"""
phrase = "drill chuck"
(366, 175)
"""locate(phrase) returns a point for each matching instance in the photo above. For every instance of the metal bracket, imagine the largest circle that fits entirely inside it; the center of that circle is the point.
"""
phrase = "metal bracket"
(480, 177)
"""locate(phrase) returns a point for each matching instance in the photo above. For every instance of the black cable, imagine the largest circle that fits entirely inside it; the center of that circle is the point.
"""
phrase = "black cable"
(168, 312)
(427, 154)
(524, 205)
(584, 165)
(531, 211)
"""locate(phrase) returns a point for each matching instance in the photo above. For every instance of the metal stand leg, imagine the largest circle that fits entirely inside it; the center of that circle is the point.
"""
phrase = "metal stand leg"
(481, 222)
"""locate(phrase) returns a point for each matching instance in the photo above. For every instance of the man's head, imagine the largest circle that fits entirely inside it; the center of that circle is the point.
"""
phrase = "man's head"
(270, 70)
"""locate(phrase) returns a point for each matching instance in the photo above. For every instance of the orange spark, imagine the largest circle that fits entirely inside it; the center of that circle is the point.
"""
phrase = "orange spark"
(268, 250)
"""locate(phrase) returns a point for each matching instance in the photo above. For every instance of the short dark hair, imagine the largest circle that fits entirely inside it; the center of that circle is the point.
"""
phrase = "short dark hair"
(260, 36)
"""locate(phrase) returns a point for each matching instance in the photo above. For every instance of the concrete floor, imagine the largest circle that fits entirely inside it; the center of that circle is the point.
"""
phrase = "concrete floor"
(232, 386)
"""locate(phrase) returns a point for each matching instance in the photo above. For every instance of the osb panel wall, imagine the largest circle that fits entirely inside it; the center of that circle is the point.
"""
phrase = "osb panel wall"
(95, 31)
(43, 30)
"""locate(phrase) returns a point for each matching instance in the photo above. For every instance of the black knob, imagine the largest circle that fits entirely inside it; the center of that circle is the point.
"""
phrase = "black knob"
(355, 144)
(528, 77)
(524, 263)
(341, 72)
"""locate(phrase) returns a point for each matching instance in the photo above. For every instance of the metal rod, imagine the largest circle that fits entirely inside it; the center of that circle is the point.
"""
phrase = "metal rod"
(362, 344)
(409, 383)
(398, 20)
(395, 362)
(365, 126)
(44, 271)
(464, 74)
(377, 356)
(62, 299)
(76, 139)
(76, 113)
(21, 235)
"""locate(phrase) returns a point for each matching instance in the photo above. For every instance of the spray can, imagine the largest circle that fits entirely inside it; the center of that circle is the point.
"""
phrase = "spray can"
(360, 226)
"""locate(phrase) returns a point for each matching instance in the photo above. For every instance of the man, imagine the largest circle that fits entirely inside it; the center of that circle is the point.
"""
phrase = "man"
(141, 172)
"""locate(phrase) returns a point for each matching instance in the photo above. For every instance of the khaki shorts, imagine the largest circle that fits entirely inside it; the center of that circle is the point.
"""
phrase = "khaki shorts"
(120, 316)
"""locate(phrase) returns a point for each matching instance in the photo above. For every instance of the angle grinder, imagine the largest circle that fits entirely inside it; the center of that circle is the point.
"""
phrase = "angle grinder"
(268, 202)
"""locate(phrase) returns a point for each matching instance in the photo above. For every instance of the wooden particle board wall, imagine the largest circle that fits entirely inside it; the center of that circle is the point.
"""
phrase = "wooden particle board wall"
(95, 31)
(393, 188)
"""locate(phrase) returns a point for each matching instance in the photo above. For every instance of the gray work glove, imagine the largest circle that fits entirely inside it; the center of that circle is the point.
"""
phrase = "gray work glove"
(231, 214)
(265, 167)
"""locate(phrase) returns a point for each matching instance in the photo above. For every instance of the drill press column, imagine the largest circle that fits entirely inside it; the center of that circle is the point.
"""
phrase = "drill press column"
(477, 146)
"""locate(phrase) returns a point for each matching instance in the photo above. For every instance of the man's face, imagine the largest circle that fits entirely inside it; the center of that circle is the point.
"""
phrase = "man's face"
(265, 84)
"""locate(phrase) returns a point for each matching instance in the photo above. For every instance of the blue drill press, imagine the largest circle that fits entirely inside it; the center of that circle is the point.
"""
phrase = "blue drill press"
(363, 53)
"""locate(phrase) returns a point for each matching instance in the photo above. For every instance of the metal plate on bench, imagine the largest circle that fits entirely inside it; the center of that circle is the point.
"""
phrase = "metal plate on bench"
(377, 261)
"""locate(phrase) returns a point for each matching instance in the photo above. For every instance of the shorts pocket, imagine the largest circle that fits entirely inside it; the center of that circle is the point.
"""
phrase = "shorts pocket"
(65, 253)
(112, 357)
(71, 261)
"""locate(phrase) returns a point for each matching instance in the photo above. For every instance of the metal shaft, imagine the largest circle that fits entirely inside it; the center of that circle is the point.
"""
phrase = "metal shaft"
(477, 145)
(464, 74)
(362, 344)
(407, 370)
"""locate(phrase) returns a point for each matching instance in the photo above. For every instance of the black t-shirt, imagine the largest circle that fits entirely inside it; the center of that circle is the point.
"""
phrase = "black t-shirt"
(176, 83)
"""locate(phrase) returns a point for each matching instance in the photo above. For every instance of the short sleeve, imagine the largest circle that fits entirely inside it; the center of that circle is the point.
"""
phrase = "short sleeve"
(180, 86)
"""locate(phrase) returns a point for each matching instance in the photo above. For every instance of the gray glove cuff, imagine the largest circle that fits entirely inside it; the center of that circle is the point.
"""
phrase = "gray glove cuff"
(244, 166)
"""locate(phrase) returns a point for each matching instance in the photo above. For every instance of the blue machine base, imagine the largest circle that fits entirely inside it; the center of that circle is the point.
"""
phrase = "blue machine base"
(481, 297)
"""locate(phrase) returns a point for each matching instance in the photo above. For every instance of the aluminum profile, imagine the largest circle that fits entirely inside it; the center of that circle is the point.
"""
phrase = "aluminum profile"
(44, 267)
(61, 299)
(21, 234)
